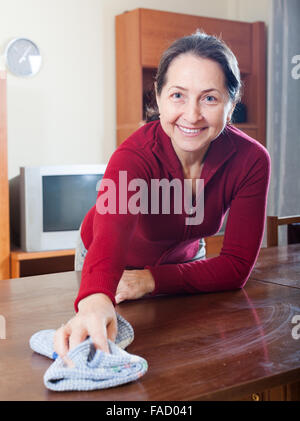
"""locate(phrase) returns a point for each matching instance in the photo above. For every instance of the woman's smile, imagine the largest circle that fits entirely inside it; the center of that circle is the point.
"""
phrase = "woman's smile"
(190, 131)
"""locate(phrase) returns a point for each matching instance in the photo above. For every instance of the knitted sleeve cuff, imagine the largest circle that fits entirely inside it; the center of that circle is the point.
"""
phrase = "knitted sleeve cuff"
(167, 279)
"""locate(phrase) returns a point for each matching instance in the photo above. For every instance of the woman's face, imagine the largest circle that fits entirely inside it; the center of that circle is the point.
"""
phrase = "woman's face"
(194, 103)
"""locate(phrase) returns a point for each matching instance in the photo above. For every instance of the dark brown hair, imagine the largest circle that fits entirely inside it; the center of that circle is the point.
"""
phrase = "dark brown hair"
(205, 46)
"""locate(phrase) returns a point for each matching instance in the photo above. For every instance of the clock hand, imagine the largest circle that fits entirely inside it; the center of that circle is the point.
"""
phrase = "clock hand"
(25, 54)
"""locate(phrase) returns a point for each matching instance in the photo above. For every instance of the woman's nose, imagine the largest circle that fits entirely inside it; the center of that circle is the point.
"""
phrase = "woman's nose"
(193, 112)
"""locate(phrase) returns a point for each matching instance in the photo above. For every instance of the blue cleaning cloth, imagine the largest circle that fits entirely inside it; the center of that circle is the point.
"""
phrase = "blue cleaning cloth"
(92, 368)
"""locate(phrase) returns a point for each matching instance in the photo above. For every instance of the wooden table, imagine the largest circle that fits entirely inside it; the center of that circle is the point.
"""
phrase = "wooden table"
(279, 265)
(222, 346)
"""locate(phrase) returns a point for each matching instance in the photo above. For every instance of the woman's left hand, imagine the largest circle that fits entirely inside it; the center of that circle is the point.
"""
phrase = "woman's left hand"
(134, 284)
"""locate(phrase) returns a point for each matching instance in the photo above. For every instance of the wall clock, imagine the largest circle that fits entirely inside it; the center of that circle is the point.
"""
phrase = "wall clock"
(22, 57)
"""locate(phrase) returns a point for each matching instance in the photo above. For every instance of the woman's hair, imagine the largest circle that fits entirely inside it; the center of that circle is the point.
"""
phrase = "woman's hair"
(205, 46)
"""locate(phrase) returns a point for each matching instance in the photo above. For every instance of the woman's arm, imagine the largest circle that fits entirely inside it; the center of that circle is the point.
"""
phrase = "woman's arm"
(110, 233)
(243, 237)
(108, 236)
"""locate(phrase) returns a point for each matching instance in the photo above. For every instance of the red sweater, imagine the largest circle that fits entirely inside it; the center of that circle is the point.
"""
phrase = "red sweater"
(236, 176)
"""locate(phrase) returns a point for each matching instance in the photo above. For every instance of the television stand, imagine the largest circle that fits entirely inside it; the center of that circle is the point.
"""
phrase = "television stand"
(24, 263)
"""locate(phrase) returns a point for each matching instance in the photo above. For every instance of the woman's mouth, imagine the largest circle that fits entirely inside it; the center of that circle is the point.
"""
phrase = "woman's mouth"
(189, 131)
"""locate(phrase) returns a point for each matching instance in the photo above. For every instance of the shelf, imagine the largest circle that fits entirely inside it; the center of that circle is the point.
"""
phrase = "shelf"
(36, 263)
(21, 255)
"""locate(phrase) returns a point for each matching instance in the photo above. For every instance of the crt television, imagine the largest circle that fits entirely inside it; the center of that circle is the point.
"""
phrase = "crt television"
(48, 204)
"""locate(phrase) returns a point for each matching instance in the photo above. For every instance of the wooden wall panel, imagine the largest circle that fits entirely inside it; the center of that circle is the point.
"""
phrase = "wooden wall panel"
(129, 85)
(159, 29)
(4, 198)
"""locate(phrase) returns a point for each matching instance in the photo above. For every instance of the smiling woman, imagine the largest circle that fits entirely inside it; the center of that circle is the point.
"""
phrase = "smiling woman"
(194, 106)
(197, 87)
(131, 254)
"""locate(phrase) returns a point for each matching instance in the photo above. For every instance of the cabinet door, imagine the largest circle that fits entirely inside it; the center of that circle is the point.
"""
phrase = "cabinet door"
(129, 86)
(160, 29)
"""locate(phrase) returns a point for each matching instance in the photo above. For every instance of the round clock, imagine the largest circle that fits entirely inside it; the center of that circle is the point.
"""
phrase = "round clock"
(23, 57)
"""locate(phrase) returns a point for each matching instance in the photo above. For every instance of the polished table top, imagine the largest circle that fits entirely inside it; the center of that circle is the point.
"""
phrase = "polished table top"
(279, 265)
(215, 346)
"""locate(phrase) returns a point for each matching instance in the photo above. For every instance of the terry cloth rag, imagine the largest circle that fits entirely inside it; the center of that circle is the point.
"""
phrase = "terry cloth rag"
(93, 369)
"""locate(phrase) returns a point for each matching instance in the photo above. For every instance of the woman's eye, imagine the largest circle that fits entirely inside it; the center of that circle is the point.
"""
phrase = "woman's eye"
(211, 98)
(176, 95)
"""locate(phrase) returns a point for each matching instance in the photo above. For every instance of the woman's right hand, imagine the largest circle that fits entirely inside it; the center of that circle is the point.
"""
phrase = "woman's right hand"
(96, 318)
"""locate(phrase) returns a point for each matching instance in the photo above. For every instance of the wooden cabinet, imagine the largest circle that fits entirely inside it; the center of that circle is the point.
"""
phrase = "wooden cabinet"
(24, 263)
(286, 393)
(4, 198)
(143, 34)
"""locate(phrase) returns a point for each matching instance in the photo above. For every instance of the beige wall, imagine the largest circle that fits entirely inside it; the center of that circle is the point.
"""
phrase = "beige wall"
(248, 10)
(66, 113)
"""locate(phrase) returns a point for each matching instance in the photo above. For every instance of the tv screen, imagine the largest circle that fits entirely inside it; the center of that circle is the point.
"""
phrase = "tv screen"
(48, 204)
(67, 199)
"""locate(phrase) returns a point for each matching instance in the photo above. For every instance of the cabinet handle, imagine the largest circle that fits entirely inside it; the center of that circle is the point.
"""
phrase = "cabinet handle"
(255, 397)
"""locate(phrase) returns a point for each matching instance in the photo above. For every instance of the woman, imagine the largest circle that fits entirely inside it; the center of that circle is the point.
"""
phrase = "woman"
(132, 254)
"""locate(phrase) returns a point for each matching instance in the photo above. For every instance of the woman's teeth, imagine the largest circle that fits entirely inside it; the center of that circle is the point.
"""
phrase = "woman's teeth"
(191, 131)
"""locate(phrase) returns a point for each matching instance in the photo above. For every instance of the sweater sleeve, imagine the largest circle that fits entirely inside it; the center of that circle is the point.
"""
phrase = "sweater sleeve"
(243, 236)
(112, 231)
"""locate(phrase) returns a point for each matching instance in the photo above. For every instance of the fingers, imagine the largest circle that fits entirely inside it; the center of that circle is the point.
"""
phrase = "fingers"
(96, 318)
(100, 336)
(65, 340)
(119, 298)
(100, 342)
(61, 344)
(112, 330)
(69, 336)
(76, 337)
(125, 289)
(134, 284)
(61, 341)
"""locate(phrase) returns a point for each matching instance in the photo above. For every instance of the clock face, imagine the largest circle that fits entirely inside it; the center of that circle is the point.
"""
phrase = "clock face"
(23, 57)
